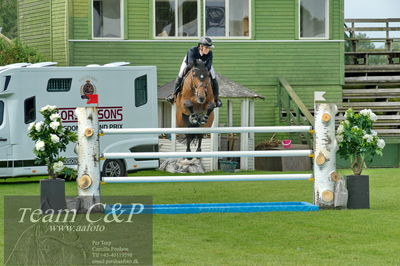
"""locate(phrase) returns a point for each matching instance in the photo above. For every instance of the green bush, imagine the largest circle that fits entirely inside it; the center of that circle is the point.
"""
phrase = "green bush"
(16, 52)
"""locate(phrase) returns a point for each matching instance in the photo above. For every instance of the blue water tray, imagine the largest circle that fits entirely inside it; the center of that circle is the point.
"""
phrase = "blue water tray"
(217, 207)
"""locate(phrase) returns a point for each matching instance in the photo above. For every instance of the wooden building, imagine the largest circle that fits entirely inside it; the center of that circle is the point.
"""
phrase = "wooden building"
(256, 41)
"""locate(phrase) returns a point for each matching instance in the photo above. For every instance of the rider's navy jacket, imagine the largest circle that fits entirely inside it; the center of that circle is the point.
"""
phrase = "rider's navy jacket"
(194, 54)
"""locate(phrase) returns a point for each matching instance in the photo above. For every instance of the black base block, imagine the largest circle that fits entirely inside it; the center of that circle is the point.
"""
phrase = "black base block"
(358, 187)
(52, 194)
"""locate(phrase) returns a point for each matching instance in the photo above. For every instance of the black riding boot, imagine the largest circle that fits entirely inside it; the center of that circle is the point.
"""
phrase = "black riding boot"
(215, 88)
(177, 89)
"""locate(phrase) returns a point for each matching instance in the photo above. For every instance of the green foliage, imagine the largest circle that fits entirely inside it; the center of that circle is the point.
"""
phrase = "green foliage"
(8, 18)
(16, 52)
(50, 139)
(357, 140)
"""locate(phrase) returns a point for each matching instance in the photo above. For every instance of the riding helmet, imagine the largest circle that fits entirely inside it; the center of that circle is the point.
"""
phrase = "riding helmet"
(206, 41)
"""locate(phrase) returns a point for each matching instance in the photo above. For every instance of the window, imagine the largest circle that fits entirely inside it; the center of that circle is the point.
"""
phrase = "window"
(30, 110)
(176, 18)
(107, 18)
(1, 112)
(314, 19)
(227, 18)
(57, 85)
(141, 90)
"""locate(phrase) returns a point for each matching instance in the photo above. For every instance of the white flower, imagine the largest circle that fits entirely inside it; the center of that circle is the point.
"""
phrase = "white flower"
(340, 129)
(39, 145)
(347, 122)
(55, 116)
(368, 137)
(374, 133)
(366, 112)
(39, 125)
(54, 125)
(339, 138)
(54, 138)
(30, 127)
(373, 117)
(355, 127)
(48, 108)
(58, 166)
(370, 114)
(381, 143)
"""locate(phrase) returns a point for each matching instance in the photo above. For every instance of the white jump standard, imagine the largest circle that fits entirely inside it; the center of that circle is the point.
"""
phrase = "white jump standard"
(324, 163)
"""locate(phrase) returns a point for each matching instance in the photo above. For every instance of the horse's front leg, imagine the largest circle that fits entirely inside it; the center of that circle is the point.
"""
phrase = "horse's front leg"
(193, 119)
(210, 108)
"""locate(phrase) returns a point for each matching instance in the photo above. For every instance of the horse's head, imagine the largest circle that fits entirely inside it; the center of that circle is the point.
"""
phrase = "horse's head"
(200, 83)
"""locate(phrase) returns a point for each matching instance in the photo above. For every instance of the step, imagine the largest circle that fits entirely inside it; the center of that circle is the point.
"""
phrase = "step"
(388, 132)
(371, 93)
(375, 106)
(373, 80)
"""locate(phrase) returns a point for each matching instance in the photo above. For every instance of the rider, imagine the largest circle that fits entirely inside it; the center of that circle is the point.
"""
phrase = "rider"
(201, 51)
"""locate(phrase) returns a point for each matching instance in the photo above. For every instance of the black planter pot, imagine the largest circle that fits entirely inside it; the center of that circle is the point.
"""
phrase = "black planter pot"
(358, 188)
(52, 194)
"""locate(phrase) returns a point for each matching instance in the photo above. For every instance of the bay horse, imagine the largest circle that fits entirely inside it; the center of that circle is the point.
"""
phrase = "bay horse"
(195, 102)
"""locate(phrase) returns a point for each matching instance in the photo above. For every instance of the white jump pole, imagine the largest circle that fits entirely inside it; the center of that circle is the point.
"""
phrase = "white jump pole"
(207, 130)
(203, 178)
(144, 155)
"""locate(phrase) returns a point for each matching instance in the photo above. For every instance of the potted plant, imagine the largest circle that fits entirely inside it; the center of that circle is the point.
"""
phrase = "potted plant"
(358, 142)
(50, 139)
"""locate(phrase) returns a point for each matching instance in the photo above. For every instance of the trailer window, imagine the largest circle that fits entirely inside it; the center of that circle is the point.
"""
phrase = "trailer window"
(7, 81)
(30, 110)
(57, 85)
(1, 112)
(141, 90)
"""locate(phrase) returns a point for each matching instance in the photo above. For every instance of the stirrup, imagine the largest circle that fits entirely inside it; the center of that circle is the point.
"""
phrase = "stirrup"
(218, 103)
(170, 98)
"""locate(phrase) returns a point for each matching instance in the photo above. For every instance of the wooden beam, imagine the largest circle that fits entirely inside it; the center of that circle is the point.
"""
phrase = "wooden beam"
(371, 20)
(297, 100)
(373, 29)
(5, 38)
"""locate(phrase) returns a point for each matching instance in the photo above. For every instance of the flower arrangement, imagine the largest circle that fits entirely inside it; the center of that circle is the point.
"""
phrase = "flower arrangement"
(357, 140)
(50, 139)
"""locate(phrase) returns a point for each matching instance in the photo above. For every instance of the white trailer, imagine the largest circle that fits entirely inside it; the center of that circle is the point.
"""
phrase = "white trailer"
(127, 99)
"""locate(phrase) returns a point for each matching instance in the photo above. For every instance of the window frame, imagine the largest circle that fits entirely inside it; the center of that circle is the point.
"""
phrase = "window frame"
(176, 23)
(3, 112)
(227, 37)
(50, 79)
(34, 117)
(122, 14)
(327, 23)
(147, 90)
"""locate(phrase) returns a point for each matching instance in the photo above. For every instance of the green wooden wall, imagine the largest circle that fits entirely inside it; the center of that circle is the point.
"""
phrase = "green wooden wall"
(273, 51)
(44, 25)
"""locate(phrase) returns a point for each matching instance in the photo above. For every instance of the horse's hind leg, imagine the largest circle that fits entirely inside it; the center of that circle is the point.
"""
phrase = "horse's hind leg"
(189, 139)
(199, 139)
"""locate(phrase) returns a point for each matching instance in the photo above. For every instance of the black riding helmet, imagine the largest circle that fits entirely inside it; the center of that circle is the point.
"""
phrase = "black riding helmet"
(206, 41)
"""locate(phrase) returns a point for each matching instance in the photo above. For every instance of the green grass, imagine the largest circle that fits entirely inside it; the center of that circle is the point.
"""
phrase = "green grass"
(328, 237)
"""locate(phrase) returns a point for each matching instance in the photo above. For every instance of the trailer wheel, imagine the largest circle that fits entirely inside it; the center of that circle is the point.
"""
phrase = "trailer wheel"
(112, 168)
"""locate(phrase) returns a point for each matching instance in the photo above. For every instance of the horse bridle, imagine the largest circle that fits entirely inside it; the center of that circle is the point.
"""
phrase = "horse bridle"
(194, 87)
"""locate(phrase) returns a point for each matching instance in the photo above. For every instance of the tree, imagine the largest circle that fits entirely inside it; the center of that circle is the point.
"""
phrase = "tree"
(16, 52)
(8, 18)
